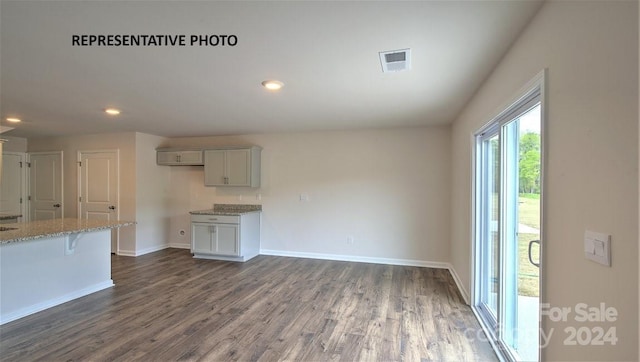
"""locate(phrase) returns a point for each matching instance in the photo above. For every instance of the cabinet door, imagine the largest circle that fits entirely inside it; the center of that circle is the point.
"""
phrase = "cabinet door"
(239, 167)
(202, 238)
(226, 239)
(190, 157)
(214, 168)
(167, 157)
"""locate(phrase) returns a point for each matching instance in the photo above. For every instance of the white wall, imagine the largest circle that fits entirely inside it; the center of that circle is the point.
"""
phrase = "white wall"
(14, 144)
(125, 142)
(152, 192)
(590, 50)
(389, 189)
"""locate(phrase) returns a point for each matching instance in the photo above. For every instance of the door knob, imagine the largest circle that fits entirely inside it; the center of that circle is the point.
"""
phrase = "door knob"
(56, 205)
(112, 207)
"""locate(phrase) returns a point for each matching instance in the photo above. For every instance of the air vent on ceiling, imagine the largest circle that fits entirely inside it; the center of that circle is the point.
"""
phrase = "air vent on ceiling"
(395, 60)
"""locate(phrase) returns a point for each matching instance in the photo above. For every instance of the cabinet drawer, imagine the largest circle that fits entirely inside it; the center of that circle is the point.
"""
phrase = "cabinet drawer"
(216, 219)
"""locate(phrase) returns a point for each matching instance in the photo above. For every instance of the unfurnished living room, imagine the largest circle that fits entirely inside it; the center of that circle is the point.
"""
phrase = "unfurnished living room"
(319, 180)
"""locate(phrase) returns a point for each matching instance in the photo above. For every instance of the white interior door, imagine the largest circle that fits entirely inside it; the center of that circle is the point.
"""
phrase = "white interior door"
(45, 176)
(12, 185)
(98, 187)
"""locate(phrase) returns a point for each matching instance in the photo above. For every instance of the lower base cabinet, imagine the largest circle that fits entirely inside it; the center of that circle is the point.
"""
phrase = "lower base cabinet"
(234, 238)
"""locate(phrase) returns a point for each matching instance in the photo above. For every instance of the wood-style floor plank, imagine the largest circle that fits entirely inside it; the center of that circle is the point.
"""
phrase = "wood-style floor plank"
(168, 306)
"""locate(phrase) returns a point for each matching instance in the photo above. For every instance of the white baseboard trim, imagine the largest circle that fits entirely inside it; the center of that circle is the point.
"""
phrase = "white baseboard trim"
(461, 288)
(144, 251)
(151, 249)
(180, 245)
(23, 312)
(357, 259)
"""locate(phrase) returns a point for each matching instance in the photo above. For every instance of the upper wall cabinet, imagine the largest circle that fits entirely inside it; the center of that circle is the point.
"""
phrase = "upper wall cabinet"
(232, 167)
(173, 157)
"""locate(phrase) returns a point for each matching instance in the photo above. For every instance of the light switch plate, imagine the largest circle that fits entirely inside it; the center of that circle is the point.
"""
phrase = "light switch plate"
(597, 247)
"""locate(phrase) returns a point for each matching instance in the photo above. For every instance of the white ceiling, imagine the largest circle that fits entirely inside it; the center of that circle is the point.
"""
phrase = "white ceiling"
(326, 53)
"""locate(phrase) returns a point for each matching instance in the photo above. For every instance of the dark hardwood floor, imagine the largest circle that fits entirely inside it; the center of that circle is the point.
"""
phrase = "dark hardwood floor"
(167, 306)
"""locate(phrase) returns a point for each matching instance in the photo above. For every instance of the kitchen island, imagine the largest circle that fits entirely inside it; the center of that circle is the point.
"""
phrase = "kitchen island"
(49, 262)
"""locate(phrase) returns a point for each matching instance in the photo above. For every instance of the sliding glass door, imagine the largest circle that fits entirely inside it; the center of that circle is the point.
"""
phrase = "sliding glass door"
(507, 223)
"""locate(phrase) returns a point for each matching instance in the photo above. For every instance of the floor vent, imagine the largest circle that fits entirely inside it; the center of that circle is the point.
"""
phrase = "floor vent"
(395, 60)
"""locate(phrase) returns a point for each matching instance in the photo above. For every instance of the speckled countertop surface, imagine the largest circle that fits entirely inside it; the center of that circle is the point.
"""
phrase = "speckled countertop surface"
(54, 228)
(228, 210)
(6, 216)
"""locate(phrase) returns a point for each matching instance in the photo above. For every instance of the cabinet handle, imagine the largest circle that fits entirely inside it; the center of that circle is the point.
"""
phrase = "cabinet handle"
(213, 218)
(226, 180)
(179, 158)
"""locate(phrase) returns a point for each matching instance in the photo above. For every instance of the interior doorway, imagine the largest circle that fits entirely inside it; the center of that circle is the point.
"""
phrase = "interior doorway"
(98, 188)
(13, 186)
(46, 185)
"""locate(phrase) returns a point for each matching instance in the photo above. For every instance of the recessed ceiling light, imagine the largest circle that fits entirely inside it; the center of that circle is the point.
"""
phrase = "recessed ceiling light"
(272, 84)
(112, 111)
(13, 120)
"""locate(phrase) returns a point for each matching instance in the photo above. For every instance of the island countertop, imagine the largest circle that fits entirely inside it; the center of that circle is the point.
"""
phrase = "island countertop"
(53, 228)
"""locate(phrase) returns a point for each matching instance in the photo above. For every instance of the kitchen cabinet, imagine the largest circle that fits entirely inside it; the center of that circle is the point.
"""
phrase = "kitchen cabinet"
(222, 237)
(232, 167)
(173, 157)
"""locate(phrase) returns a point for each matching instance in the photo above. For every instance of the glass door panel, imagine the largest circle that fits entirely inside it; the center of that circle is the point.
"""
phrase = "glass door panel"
(524, 244)
(509, 232)
(508, 193)
(490, 221)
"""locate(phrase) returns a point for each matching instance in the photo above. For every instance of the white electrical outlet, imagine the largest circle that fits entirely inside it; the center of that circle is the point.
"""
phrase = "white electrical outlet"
(350, 240)
(304, 197)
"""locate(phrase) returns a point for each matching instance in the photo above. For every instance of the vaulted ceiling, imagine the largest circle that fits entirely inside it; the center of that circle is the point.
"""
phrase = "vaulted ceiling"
(326, 53)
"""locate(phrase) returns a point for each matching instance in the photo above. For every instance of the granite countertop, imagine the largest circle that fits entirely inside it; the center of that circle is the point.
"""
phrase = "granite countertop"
(228, 210)
(54, 228)
(8, 216)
